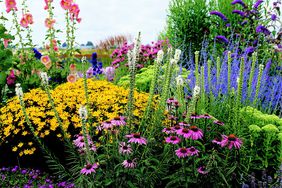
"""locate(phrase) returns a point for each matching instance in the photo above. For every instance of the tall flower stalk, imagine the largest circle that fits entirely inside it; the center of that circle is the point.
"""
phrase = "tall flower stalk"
(261, 67)
(132, 59)
(252, 72)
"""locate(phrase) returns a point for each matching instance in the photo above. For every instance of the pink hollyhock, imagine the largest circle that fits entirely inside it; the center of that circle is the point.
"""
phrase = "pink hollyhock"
(71, 78)
(66, 4)
(24, 22)
(29, 18)
(11, 78)
(6, 42)
(45, 59)
(47, 4)
(10, 5)
(72, 68)
(49, 23)
(56, 48)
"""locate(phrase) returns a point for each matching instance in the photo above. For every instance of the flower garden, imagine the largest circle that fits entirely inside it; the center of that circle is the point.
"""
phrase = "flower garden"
(200, 107)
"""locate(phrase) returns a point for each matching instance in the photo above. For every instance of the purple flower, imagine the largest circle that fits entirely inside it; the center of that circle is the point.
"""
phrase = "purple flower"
(89, 168)
(118, 121)
(193, 151)
(249, 50)
(136, 138)
(172, 140)
(221, 38)
(15, 169)
(183, 132)
(218, 122)
(129, 163)
(202, 170)
(109, 73)
(241, 13)
(273, 17)
(238, 2)
(257, 4)
(124, 148)
(262, 29)
(230, 141)
(107, 125)
(168, 130)
(195, 133)
(219, 14)
(182, 152)
(244, 22)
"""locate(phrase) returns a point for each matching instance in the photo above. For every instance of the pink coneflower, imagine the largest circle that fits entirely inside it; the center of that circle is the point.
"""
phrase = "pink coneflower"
(216, 141)
(205, 116)
(124, 148)
(71, 78)
(168, 130)
(29, 18)
(45, 59)
(10, 5)
(129, 163)
(185, 132)
(79, 142)
(171, 100)
(24, 22)
(218, 122)
(195, 116)
(49, 23)
(172, 140)
(118, 121)
(193, 151)
(182, 152)
(177, 127)
(231, 141)
(195, 133)
(107, 125)
(136, 138)
(89, 168)
(202, 170)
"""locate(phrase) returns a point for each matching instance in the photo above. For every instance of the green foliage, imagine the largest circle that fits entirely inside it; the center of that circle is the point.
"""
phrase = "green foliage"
(187, 23)
(144, 78)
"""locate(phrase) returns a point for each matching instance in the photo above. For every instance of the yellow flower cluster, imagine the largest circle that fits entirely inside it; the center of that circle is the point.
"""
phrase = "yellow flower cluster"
(106, 102)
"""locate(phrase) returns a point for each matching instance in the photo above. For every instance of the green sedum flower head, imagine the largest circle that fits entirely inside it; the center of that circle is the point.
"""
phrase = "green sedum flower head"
(270, 128)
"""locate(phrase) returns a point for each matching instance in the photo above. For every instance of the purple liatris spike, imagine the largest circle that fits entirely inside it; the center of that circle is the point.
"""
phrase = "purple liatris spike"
(262, 29)
(257, 4)
(219, 14)
(241, 13)
(221, 38)
(240, 2)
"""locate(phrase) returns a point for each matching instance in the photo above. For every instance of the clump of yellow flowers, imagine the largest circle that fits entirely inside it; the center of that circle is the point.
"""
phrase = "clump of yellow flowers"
(106, 101)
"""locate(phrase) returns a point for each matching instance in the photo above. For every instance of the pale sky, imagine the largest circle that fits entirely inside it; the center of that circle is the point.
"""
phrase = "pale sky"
(103, 18)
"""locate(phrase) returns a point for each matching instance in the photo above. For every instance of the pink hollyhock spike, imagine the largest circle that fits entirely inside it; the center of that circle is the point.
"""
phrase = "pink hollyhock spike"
(66, 4)
(10, 5)
(45, 59)
(29, 18)
(24, 22)
(47, 4)
(6, 42)
(74, 9)
(49, 23)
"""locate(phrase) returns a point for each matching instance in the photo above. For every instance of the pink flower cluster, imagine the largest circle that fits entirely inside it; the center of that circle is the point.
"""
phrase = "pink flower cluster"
(11, 78)
(10, 5)
(26, 20)
(73, 9)
(192, 132)
(229, 141)
(81, 144)
(146, 56)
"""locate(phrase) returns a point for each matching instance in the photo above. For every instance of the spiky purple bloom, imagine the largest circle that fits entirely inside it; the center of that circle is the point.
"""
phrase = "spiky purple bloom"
(136, 138)
(222, 39)
(240, 2)
(249, 50)
(241, 13)
(89, 168)
(273, 17)
(129, 163)
(257, 4)
(173, 140)
(124, 148)
(219, 14)
(37, 54)
(182, 152)
(262, 29)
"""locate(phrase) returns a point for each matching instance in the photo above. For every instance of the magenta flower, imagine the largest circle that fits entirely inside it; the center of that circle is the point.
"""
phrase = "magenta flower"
(168, 130)
(172, 140)
(10, 5)
(202, 170)
(195, 116)
(136, 138)
(182, 152)
(218, 122)
(193, 151)
(205, 116)
(124, 148)
(183, 132)
(80, 143)
(231, 141)
(89, 168)
(129, 163)
(118, 121)
(195, 133)
(183, 124)
(177, 128)
(107, 125)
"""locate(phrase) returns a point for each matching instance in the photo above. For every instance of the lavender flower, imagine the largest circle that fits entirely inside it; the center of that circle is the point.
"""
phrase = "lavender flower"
(273, 17)
(221, 38)
(262, 29)
(249, 50)
(219, 14)
(240, 2)
(241, 13)
(37, 54)
(257, 4)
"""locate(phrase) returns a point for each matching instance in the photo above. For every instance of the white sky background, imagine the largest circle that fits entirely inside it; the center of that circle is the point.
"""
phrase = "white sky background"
(102, 18)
